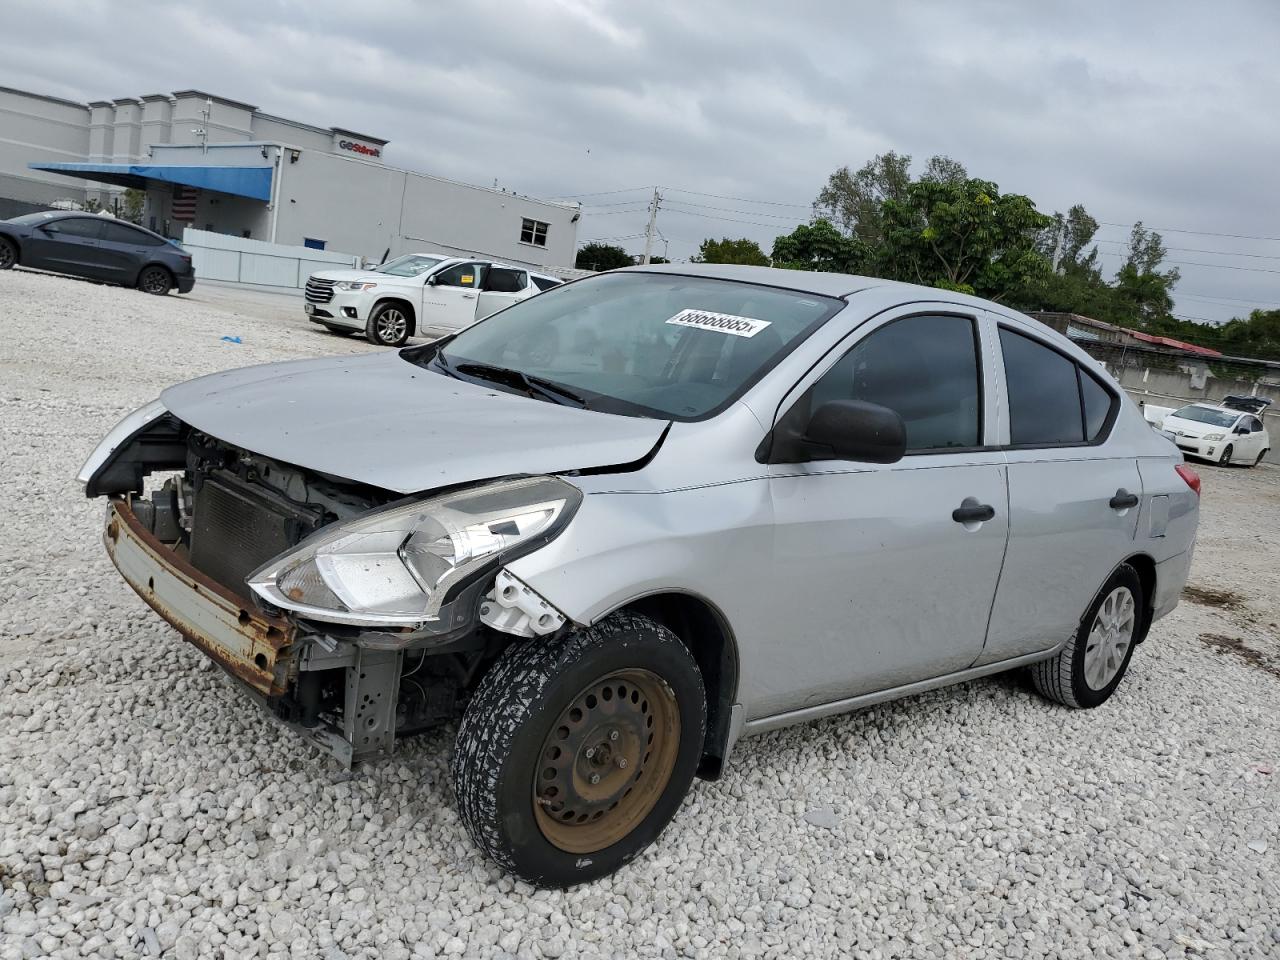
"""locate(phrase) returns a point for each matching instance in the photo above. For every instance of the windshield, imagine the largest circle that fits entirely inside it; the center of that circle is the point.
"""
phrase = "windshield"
(411, 265)
(645, 344)
(1215, 418)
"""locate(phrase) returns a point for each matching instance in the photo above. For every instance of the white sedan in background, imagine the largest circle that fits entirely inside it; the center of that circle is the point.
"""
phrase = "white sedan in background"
(1217, 432)
(393, 302)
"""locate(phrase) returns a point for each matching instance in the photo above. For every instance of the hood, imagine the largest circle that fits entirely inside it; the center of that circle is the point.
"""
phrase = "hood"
(1191, 428)
(366, 275)
(381, 420)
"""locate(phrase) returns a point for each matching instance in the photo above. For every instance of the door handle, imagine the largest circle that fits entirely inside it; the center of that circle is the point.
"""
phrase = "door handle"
(468, 296)
(1123, 500)
(971, 511)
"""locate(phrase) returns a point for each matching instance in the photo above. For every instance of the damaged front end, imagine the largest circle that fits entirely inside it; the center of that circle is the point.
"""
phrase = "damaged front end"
(353, 614)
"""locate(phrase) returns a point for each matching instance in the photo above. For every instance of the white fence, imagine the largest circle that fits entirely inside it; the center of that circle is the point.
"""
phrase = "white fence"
(217, 256)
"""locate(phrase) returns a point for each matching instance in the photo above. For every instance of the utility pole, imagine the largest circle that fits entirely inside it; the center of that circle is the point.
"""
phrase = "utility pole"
(648, 230)
(1057, 244)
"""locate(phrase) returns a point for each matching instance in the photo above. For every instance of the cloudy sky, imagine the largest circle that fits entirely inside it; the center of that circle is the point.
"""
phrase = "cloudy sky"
(1166, 111)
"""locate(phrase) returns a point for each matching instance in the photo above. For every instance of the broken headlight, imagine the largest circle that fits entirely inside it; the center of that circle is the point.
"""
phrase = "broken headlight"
(396, 567)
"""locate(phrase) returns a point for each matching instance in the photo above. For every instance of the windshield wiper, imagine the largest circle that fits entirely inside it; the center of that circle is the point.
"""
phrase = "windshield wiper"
(532, 385)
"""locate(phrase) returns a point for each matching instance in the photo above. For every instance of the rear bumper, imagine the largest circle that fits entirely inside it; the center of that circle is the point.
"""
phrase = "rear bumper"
(1171, 577)
(254, 648)
(185, 284)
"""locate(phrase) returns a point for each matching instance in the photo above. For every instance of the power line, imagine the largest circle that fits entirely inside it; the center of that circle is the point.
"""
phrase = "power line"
(752, 213)
(1216, 253)
(1202, 233)
(601, 193)
(718, 196)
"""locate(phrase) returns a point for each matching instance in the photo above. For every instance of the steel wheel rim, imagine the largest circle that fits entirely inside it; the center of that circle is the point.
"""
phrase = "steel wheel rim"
(623, 729)
(1110, 638)
(392, 326)
(153, 281)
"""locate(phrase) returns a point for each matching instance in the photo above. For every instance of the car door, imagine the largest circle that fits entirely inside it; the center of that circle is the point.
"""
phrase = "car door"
(1074, 494)
(123, 250)
(1249, 443)
(880, 582)
(502, 287)
(68, 245)
(450, 296)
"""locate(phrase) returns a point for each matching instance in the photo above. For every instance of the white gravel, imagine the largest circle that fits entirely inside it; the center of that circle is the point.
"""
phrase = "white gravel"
(146, 808)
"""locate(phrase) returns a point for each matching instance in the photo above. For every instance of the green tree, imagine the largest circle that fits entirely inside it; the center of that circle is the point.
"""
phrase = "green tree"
(132, 205)
(963, 235)
(820, 246)
(742, 251)
(602, 256)
(852, 200)
(1143, 292)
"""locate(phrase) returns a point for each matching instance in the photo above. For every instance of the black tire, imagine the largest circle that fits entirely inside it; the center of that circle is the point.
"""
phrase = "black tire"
(388, 326)
(8, 254)
(155, 280)
(525, 704)
(1224, 459)
(1062, 678)
(1262, 456)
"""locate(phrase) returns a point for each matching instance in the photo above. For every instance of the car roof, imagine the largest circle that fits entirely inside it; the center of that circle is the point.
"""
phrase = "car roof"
(840, 285)
(1210, 405)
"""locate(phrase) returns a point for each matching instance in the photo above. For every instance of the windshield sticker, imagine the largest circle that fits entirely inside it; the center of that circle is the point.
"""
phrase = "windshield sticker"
(719, 322)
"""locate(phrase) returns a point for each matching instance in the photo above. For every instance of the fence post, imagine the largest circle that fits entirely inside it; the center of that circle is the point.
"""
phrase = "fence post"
(239, 266)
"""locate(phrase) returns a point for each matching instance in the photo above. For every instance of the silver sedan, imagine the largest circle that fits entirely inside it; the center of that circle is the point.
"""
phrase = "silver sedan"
(618, 526)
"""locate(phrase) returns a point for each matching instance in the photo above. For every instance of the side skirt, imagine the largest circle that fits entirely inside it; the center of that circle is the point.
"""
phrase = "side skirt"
(777, 721)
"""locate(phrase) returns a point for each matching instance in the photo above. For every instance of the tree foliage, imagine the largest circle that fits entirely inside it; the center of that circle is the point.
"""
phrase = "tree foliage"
(602, 256)
(853, 200)
(820, 246)
(742, 251)
(962, 234)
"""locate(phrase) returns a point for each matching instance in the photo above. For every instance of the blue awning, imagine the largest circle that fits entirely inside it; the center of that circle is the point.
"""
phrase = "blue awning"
(252, 182)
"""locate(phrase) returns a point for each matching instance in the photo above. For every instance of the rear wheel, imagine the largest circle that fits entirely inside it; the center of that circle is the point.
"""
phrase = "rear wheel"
(155, 280)
(1089, 668)
(8, 254)
(1262, 456)
(388, 325)
(1225, 459)
(576, 751)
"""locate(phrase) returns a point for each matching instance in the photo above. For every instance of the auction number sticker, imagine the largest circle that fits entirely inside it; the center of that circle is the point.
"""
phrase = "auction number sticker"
(719, 322)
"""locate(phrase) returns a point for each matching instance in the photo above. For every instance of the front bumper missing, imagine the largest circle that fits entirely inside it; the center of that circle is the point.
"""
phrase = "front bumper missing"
(251, 646)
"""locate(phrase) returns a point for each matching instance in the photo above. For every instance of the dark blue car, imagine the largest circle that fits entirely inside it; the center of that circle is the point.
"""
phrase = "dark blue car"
(97, 247)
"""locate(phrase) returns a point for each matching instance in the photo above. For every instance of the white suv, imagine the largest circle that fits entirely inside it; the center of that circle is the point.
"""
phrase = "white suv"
(418, 291)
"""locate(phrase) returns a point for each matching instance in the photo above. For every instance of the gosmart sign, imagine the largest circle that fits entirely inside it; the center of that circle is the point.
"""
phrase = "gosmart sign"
(360, 148)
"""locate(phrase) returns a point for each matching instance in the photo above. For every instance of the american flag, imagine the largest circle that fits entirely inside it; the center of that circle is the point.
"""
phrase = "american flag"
(184, 203)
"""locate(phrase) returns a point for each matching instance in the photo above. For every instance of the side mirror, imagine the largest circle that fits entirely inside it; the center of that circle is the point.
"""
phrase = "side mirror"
(1240, 429)
(432, 281)
(840, 430)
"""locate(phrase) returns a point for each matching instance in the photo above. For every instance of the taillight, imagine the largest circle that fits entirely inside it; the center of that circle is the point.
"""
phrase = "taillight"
(1190, 476)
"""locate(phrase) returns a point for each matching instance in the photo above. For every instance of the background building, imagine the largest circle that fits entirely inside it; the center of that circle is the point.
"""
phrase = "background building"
(220, 165)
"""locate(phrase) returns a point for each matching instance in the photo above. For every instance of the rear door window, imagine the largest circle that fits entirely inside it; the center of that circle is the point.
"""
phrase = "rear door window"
(505, 280)
(119, 233)
(1044, 393)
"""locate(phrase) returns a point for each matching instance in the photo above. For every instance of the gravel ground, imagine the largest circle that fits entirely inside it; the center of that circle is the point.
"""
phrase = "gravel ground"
(146, 809)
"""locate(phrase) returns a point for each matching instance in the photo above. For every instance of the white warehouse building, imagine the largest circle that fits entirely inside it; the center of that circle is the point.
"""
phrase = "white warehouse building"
(223, 166)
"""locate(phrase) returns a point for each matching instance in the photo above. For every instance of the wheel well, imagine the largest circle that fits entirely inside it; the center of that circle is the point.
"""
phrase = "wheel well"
(405, 305)
(12, 239)
(1146, 570)
(154, 263)
(704, 630)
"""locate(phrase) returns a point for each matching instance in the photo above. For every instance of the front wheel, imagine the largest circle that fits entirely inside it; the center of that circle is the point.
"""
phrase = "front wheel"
(388, 326)
(1225, 459)
(1089, 668)
(577, 750)
(8, 254)
(155, 280)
